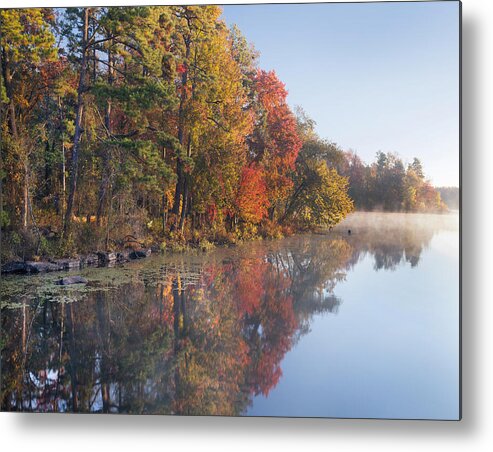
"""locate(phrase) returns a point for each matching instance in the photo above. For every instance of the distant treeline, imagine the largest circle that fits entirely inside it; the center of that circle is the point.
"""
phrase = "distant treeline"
(450, 196)
(387, 184)
(158, 122)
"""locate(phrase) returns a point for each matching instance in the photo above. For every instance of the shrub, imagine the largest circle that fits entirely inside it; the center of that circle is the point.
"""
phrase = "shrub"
(205, 245)
(271, 230)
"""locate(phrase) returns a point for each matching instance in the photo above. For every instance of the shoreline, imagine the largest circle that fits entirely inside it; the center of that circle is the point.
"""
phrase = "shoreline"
(103, 259)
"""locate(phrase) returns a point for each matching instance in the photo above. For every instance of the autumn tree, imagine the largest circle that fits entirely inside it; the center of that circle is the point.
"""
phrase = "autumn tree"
(136, 95)
(450, 196)
(27, 47)
(195, 27)
(274, 143)
(319, 196)
(251, 201)
(221, 125)
(158, 122)
(358, 177)
(78, 20)
(386, 184)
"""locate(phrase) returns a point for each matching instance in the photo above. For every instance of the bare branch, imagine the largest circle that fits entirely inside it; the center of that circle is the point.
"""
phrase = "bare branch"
(218, 124)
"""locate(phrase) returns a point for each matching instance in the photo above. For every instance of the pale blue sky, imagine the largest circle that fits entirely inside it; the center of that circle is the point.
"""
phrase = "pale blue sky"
(374, 76)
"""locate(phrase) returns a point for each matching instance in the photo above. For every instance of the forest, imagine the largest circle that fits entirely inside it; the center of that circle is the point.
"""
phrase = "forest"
(157, 123)
(450, 196)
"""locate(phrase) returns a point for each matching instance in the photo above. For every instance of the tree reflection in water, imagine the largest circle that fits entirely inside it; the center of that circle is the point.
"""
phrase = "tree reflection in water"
(184, 336)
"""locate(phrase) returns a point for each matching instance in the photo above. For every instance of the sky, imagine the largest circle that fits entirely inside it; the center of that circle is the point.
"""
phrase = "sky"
(374, 76)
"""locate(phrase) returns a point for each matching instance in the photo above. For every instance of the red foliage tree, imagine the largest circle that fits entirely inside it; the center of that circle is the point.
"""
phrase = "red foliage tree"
(251, 200)
(275, 142)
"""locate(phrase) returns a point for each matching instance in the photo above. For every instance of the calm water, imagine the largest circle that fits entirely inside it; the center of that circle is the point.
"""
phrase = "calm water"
(337, 325)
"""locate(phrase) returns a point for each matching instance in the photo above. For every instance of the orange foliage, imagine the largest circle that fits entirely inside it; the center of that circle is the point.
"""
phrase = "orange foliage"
(277, 146)
(252, 199)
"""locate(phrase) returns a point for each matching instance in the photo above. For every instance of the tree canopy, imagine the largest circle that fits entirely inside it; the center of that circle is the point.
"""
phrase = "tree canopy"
(157, 121)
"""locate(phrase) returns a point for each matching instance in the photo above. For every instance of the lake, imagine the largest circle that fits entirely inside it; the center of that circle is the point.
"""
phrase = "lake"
(335, 324)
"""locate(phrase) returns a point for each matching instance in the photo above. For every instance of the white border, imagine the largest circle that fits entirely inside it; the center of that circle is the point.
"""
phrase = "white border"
(126, 433)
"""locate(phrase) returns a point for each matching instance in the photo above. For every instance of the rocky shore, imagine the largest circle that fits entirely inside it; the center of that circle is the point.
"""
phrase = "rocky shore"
(99, 259)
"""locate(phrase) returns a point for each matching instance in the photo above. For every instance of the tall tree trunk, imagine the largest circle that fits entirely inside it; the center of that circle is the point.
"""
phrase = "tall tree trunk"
(64, 179)
(186, 183)
(25, 194)
(12, 121)
(74, 167)
(184, 205)
(7, 80)
(62, 169)
(163, 213)
(103, 187)
(1, 209)
(180, 182)
(163, 200)
(179, 186)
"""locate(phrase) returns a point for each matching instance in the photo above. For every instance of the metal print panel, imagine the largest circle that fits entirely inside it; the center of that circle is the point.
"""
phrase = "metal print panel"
(243, 210)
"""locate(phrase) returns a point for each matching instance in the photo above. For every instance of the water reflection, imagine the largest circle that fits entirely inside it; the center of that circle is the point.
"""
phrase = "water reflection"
(186, 334)
(392, 238)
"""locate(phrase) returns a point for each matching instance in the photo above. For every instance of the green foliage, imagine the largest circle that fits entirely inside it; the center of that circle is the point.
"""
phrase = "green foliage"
(205, 245)
(3, 92)
(321, 198)
(26, 35)
(4, 219)
(161, 125)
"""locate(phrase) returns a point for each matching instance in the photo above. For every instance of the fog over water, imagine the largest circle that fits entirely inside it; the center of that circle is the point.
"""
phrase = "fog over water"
(338, 324)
